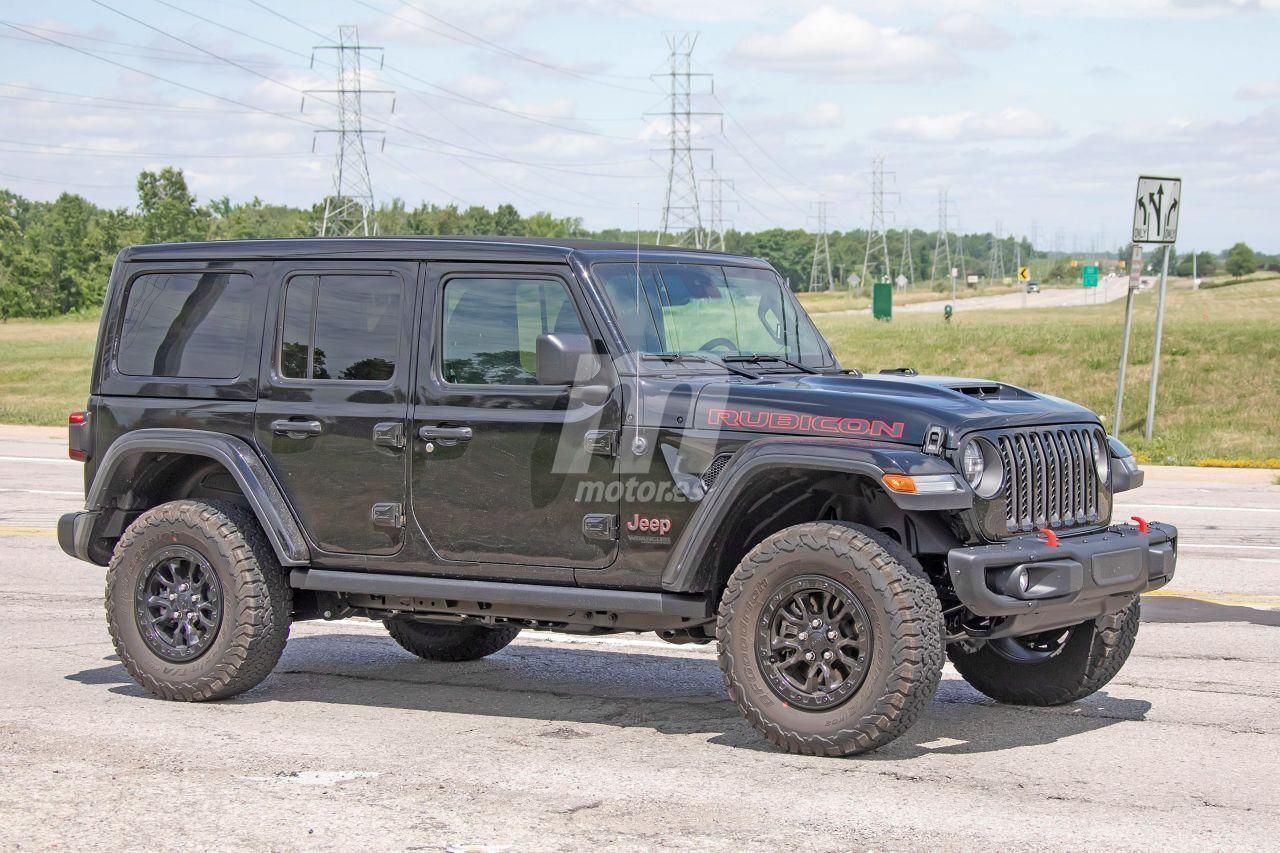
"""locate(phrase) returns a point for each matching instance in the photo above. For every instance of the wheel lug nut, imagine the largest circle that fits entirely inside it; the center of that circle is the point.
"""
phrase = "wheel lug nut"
(182, 588)
(173, 596)
(809, 655)
(803, 636)
(832, 635)
(816, 623)
(826, 655)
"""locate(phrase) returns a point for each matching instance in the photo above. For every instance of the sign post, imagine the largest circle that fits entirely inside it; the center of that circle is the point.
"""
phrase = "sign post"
(1156, 209)
(1135, 278)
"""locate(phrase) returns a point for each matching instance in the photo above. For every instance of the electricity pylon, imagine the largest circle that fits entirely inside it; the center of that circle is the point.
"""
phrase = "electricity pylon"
(877, 240)
(681, 212)
(942, 242)
(348, 210)
(821, 253)
(716, 222)
(997, 254)
(907, 266)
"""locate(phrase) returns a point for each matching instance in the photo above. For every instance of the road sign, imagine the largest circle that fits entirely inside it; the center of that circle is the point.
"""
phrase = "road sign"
(901, 280)
(1089, 276)
(1156, 207)
(1024, 273)
(1135, 267)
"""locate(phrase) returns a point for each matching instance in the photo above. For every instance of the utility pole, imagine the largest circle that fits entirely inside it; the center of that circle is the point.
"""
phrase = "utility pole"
(715, 210)
(877, 240)
(942, 243)
(821, 252)
(997, 253)
(681, 212)
(348, 210)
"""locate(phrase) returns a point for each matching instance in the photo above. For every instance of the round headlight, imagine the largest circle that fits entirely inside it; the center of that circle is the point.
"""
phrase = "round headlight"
(972, 465)
(980, 464)
(1101, 456)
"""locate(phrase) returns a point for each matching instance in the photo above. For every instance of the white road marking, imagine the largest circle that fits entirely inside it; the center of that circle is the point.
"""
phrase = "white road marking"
(1215, 547)
(43, 492)
(40, 460)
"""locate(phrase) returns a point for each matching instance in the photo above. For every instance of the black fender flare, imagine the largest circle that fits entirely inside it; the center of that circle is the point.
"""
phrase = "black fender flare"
(241, 461)
(684, 568)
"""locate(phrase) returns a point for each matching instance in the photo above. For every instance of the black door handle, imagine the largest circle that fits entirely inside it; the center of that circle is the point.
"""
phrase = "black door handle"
(444, 433)
(295, 429)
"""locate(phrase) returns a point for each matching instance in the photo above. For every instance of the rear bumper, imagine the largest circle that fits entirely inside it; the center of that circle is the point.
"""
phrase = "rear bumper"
(1037, 587)
(74, 532)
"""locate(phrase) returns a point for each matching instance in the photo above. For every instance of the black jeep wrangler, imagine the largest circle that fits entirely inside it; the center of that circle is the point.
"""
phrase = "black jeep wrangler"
(468, 437)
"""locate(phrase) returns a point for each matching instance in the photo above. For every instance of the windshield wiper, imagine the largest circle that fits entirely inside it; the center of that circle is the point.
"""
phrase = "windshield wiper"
(757, 357)
(677, 357)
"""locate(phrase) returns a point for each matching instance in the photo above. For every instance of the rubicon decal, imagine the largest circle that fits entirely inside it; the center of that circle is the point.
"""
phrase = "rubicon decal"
(766, 420)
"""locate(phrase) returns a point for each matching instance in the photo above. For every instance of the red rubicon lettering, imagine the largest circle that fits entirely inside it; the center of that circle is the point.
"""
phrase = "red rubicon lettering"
(767, 420)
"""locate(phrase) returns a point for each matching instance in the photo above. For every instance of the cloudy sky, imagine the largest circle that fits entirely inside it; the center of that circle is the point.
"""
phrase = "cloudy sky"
(1037, 115)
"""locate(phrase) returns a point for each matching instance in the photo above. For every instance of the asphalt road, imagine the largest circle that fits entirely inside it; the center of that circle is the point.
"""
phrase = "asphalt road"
(1108, 290)
(564, 743)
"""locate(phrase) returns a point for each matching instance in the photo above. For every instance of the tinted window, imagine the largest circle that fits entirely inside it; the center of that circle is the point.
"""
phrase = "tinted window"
(491, 327)
(186, 325)
(344, 327)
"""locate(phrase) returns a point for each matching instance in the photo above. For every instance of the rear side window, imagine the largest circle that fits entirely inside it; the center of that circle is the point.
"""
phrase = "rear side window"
(491, 327)
(343, 327)
(186, 325)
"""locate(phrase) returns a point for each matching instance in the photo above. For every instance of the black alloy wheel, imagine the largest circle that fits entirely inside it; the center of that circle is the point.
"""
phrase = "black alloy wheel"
(814, 643)
(178, 604)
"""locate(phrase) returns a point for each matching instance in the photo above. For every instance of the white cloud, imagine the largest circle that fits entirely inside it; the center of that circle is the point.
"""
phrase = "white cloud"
(970, 126)
(824, 114)
(833, 42)
(1264, 91)
(966, 29)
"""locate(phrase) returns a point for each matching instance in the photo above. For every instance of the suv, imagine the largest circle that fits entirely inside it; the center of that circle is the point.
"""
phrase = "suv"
(465, 438)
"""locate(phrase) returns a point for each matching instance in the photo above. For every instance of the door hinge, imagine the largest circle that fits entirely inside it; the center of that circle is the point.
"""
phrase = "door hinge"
(387, 515)
(600, 442)
(389, 434)
(600, 525)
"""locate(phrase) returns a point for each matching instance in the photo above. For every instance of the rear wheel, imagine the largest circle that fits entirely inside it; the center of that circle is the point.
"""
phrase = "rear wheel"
(449, 642)
(828, 643)
(197, 605)
(1052, 667)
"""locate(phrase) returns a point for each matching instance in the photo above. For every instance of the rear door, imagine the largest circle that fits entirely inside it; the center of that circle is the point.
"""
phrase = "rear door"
(505, 470)
(333, 404)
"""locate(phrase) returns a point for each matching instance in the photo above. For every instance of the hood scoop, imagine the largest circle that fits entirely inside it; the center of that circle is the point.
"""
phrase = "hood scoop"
(990, 391)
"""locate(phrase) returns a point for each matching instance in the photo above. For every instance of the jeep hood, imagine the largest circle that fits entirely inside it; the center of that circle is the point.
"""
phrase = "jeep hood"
(883, 408)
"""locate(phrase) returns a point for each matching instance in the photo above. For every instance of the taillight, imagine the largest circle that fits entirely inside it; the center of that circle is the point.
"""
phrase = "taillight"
(77, 435)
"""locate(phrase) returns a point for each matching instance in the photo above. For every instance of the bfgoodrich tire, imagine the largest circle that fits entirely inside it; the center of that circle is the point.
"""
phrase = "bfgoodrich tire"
(449, 642)
(1052, 668)
(197, 604)
(827, 643)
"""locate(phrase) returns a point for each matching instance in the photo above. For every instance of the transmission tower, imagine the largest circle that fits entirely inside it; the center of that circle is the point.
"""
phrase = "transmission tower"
(877, 241)
(997, 253)
(907, 266)
(715, 210)
(941, 243)
(681, 213)
(821, 253)
(348, 210)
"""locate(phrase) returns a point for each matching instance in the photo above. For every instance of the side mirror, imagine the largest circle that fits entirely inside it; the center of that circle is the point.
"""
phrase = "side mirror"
(566, 359)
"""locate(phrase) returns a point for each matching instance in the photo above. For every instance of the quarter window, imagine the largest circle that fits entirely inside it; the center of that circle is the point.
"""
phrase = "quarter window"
(186, 325)
(491, 327)
(343, 327)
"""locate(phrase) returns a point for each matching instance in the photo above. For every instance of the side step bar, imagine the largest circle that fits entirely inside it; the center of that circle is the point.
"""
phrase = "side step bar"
(494, 592)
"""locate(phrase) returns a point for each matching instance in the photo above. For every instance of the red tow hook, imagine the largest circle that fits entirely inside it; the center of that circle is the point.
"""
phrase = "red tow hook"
(1143, 527)
(1050, 538)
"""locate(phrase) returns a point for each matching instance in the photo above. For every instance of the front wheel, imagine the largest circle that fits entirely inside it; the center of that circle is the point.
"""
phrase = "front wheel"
(828, 643)
(1052, 667)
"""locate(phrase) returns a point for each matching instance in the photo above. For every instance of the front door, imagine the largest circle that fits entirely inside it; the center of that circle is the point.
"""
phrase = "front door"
(332, 408)
(502, 469)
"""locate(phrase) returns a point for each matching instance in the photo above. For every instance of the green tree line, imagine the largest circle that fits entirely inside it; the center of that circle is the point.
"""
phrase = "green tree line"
(55, 257)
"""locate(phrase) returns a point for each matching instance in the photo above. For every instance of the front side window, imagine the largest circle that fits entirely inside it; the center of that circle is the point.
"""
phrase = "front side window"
(491, 327)
(186, 325)
(719, 310)
(343, 327)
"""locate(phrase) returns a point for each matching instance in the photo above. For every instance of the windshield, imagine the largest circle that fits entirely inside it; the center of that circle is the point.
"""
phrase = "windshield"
(722, 310)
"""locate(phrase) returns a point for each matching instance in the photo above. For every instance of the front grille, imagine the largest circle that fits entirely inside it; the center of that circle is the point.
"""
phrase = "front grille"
(1050, 480)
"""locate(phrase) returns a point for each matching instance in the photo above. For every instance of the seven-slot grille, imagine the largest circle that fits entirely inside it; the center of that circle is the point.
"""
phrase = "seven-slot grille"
(1050, 479)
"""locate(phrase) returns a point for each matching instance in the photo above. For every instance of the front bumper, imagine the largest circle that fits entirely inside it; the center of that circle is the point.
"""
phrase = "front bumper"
(1026, 585)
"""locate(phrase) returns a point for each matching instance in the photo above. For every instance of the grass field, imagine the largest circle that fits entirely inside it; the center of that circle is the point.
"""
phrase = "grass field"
(841, 300)
(1219, 381)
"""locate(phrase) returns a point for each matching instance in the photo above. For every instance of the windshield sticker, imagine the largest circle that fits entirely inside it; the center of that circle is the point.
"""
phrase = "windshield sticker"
(771, 421)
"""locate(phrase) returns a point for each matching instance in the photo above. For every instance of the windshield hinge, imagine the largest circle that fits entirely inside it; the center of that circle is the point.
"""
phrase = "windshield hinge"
(933, 440)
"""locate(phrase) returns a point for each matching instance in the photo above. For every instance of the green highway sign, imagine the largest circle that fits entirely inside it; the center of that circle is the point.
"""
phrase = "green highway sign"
(1089, 275)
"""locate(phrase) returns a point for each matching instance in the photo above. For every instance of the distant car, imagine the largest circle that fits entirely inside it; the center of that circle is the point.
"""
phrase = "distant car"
(1033, 287)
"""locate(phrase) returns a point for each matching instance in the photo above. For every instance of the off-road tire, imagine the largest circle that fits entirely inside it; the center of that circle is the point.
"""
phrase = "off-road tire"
(256, 600)
(905, 621)
(449, 642)
(1091, 657)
